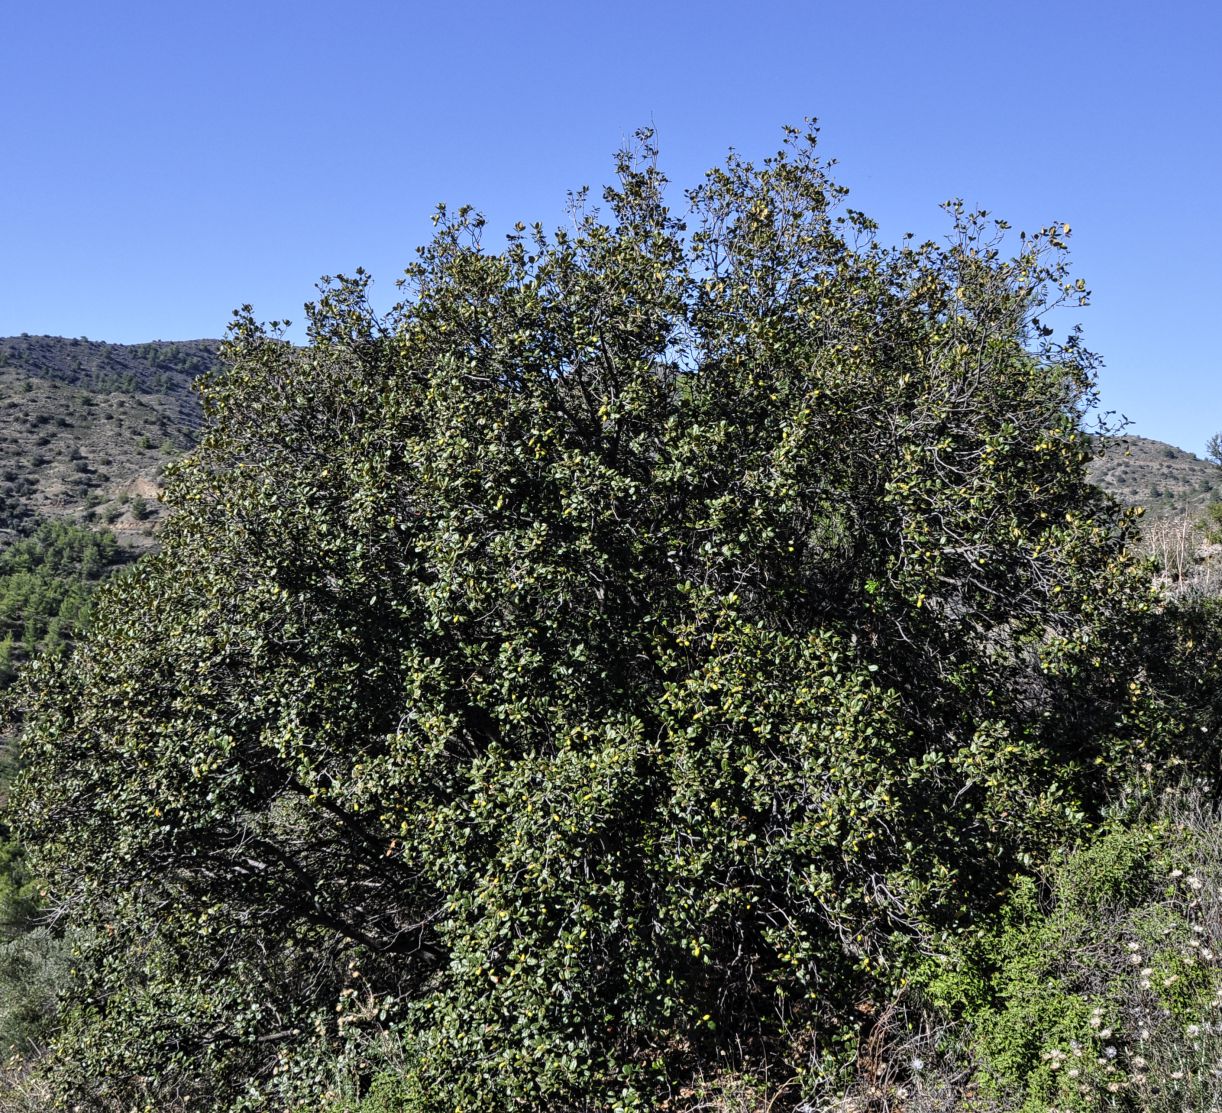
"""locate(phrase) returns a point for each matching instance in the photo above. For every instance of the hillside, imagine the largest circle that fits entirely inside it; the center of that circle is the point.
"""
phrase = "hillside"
(87, 427)
(1166, 480)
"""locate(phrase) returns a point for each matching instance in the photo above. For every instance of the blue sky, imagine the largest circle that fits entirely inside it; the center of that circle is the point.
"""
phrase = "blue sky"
(164, 162)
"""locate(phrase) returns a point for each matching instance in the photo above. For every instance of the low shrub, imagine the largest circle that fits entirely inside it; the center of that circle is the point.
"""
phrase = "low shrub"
(1100, 987)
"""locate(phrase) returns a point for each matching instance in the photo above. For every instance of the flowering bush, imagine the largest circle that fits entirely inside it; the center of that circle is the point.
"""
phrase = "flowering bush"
(1102, 987)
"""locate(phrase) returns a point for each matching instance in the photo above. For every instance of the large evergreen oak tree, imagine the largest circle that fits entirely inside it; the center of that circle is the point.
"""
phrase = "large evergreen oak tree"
(613, 666)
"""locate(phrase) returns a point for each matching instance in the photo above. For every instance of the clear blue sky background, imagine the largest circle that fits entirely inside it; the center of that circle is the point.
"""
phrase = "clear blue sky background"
(165, 161)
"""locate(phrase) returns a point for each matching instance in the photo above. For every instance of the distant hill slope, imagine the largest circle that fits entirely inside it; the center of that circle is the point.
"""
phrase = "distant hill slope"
(87, 427)
(1166, 480)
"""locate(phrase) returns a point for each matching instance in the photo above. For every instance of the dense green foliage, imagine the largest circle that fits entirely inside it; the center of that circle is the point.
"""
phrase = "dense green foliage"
(600, 678)
(1100, 987)
(46, 580)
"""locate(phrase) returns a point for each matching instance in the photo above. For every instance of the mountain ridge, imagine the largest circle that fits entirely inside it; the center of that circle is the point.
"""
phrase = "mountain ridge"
(87, 427)
(1169, 482)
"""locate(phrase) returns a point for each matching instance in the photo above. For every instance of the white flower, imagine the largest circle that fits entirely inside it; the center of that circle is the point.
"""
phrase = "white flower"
(918, 1064)
(1193, 1031)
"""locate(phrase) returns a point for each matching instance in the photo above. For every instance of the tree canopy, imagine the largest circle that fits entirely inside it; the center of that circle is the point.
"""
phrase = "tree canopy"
(1213, 449)
(604, 672)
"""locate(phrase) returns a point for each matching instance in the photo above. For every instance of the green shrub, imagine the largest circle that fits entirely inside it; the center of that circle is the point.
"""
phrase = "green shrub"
(1101, 986)
(601, 679)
